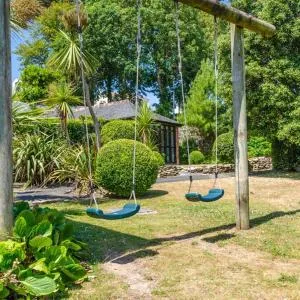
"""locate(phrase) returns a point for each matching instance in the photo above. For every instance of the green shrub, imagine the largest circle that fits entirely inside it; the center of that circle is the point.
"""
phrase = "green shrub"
(117, 129)
(160, 159)
(259, 146)
(225, 148)
(114, 167)
(197, 157)
(39, 260)
(285, 157)
(35, 157)
(183, 150)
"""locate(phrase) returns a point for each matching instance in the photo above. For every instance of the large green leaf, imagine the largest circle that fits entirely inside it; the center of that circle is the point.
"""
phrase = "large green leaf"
(55, 253)
(40, 285)
(44, 229)
(40, 266)
(29, 217)
(39, 242)
(71, 245)
(74, 272)
(21, 228)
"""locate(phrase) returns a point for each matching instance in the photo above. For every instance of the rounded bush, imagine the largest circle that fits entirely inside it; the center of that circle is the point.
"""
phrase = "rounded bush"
(159, 158)
(114, 167)
(197, 157)
(225, 148)
(117, 129)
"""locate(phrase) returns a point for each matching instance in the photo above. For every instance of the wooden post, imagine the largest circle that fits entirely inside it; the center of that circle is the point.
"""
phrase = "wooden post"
(6, 190)
(240, 127)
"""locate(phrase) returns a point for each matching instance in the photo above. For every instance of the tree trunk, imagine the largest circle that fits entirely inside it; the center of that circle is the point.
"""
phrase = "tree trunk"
(93, 115)
(6, 186)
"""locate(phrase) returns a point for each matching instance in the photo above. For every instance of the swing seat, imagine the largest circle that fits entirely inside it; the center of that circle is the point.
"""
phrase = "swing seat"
(127, 211)
(213, 195)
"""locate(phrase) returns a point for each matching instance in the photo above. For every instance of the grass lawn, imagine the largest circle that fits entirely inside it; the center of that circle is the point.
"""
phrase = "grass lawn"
(192, 250)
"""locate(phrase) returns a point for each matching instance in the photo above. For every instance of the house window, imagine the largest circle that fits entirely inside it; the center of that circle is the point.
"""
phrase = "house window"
(168, 143)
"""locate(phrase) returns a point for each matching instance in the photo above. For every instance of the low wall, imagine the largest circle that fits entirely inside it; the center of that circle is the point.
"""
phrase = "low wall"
(255, 164)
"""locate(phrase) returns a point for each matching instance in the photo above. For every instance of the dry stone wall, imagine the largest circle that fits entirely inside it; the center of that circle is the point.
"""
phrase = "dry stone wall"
(255, 164)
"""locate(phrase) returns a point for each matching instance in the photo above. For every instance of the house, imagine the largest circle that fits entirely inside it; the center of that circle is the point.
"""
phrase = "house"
(168, 132)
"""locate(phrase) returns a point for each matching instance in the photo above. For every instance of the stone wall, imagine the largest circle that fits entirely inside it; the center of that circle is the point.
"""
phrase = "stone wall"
(255, 164)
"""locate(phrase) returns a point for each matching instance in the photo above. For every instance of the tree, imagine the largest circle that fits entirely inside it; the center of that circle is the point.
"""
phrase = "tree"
(110, 36)
(273, 70)
(62, 97)
(200, 107)
(34, 83)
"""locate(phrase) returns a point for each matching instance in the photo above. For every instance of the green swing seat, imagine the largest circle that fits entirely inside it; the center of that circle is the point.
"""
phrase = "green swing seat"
(213, 195)
(127, 211)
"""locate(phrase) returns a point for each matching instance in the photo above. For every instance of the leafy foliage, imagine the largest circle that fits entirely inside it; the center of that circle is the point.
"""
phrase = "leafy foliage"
(114, 167)
(200, 108)
(259, 146)
(183, 150)
(225, 147)
(74, 166)
(197, 157)
(273, 73)
(35, 157)
(62, 97)
(117, 129)
(39, 260)
(34, 82)
(160, 159)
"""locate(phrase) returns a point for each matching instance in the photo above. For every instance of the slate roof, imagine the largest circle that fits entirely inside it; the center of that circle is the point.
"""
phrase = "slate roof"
(119, 110)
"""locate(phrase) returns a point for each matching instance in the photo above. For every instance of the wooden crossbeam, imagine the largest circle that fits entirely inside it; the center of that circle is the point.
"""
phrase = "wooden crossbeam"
(233, 15)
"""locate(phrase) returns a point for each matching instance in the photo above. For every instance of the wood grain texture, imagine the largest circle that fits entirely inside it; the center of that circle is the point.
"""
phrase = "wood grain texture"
(6, 190)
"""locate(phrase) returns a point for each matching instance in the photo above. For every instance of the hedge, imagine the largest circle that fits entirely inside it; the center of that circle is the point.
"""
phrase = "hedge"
(114, 167)
(117, 129)
(52, 127)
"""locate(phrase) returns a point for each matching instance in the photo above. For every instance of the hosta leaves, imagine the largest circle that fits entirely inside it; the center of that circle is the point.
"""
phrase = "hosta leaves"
(44, 229)
(40, 266)
(29, 217)
(71, 245)
(39, 286)
(40, 242)
(21, 228)
(55, 254)
(74, 272)
(9, 252)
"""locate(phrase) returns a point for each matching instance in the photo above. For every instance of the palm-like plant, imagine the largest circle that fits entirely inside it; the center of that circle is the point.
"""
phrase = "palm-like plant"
(145, 124)
(61, 96)
(70, 58)
(23, 117)
(34, 158)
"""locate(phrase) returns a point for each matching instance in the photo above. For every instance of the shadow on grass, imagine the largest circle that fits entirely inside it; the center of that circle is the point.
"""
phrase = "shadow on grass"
(219, 238)
(109, 245)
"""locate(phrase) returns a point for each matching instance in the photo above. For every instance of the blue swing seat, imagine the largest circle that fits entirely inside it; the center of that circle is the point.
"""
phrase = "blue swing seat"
(127, 211)
(213, 195)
